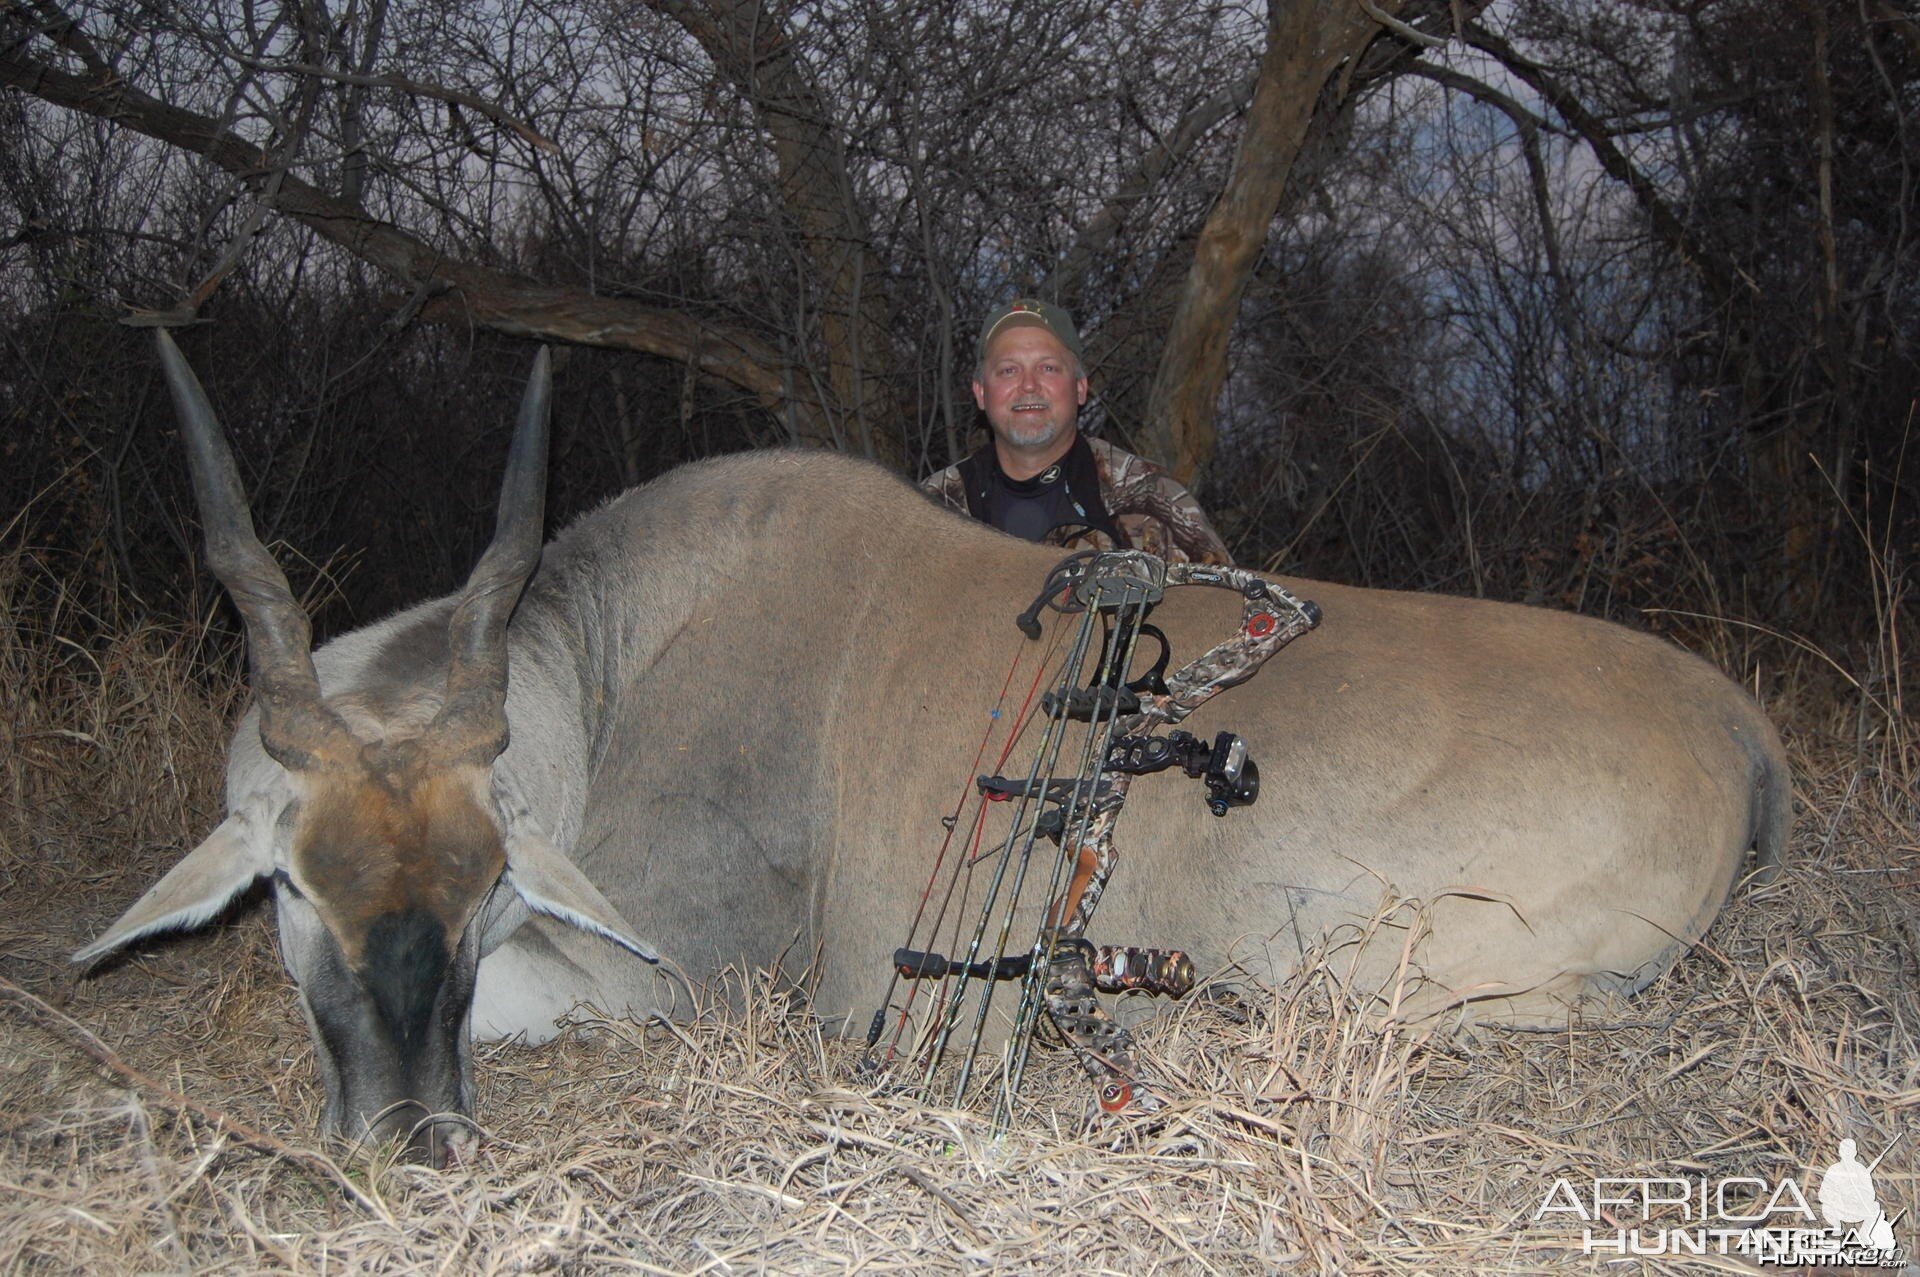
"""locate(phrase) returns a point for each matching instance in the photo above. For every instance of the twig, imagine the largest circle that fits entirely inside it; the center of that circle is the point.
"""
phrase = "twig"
(945, 1198)
(50, 1018)
(1404, 30)
(404, 84)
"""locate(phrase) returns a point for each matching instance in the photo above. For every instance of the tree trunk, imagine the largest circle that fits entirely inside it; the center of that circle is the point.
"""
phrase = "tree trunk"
(855, 322)
(1308, 41)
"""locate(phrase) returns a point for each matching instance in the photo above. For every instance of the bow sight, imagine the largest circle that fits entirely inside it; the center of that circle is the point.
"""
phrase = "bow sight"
(1232, 778)
(1112, 722)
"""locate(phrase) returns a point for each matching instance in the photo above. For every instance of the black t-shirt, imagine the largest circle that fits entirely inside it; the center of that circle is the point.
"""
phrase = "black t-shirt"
(1066, 492)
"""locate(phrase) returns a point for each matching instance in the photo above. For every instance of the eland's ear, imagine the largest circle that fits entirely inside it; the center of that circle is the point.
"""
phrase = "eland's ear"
(553, 885)
(193, 891)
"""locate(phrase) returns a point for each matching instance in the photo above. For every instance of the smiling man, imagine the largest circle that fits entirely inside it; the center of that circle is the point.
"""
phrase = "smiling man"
(1043, 480)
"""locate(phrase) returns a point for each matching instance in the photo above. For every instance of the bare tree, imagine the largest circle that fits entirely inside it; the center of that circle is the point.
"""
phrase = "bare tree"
(1063, 148)
(1489, 299)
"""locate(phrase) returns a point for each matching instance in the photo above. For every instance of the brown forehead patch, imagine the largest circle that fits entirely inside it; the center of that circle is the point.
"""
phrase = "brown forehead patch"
(402, 833)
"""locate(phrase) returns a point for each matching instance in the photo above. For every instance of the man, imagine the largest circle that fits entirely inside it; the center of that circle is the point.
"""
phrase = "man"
(1040, 478)
(1847, 1200)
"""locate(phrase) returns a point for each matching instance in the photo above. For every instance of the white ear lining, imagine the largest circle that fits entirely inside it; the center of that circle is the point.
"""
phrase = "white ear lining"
(553, 885)
(231, 859)
(549, 882)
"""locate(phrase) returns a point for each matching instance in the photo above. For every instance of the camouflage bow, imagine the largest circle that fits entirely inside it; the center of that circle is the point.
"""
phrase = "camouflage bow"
(1060, 972)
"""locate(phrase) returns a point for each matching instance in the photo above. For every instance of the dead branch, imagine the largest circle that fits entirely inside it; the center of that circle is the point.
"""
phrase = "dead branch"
(47, 1017)
(468, 294)
(1714, 270)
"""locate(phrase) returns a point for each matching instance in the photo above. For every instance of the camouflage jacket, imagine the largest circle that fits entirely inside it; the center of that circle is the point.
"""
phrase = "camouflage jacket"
(1149, 507)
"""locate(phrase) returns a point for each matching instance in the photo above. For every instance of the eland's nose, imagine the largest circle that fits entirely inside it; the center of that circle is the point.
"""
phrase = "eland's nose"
(433, 1139)
(443, 1140)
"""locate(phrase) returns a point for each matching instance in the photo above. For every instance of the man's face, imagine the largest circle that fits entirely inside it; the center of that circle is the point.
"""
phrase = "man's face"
(1029, 387)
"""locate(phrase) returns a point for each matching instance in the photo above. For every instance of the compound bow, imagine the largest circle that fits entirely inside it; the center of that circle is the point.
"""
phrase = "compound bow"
(1060, 972)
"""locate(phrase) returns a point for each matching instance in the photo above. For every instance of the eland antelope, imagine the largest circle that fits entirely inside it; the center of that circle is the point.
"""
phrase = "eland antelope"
(731, 707)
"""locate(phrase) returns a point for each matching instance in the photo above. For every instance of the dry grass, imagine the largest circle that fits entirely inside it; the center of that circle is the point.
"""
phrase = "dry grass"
(1311, 1135)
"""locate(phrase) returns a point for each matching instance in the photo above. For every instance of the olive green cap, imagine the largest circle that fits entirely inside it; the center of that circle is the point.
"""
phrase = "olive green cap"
(1031, 311)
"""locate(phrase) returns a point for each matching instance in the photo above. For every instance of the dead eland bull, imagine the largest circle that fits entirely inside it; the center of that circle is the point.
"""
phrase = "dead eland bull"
(741, 697)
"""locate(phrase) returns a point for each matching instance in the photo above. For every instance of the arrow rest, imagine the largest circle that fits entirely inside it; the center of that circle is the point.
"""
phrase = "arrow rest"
(1098, 735)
